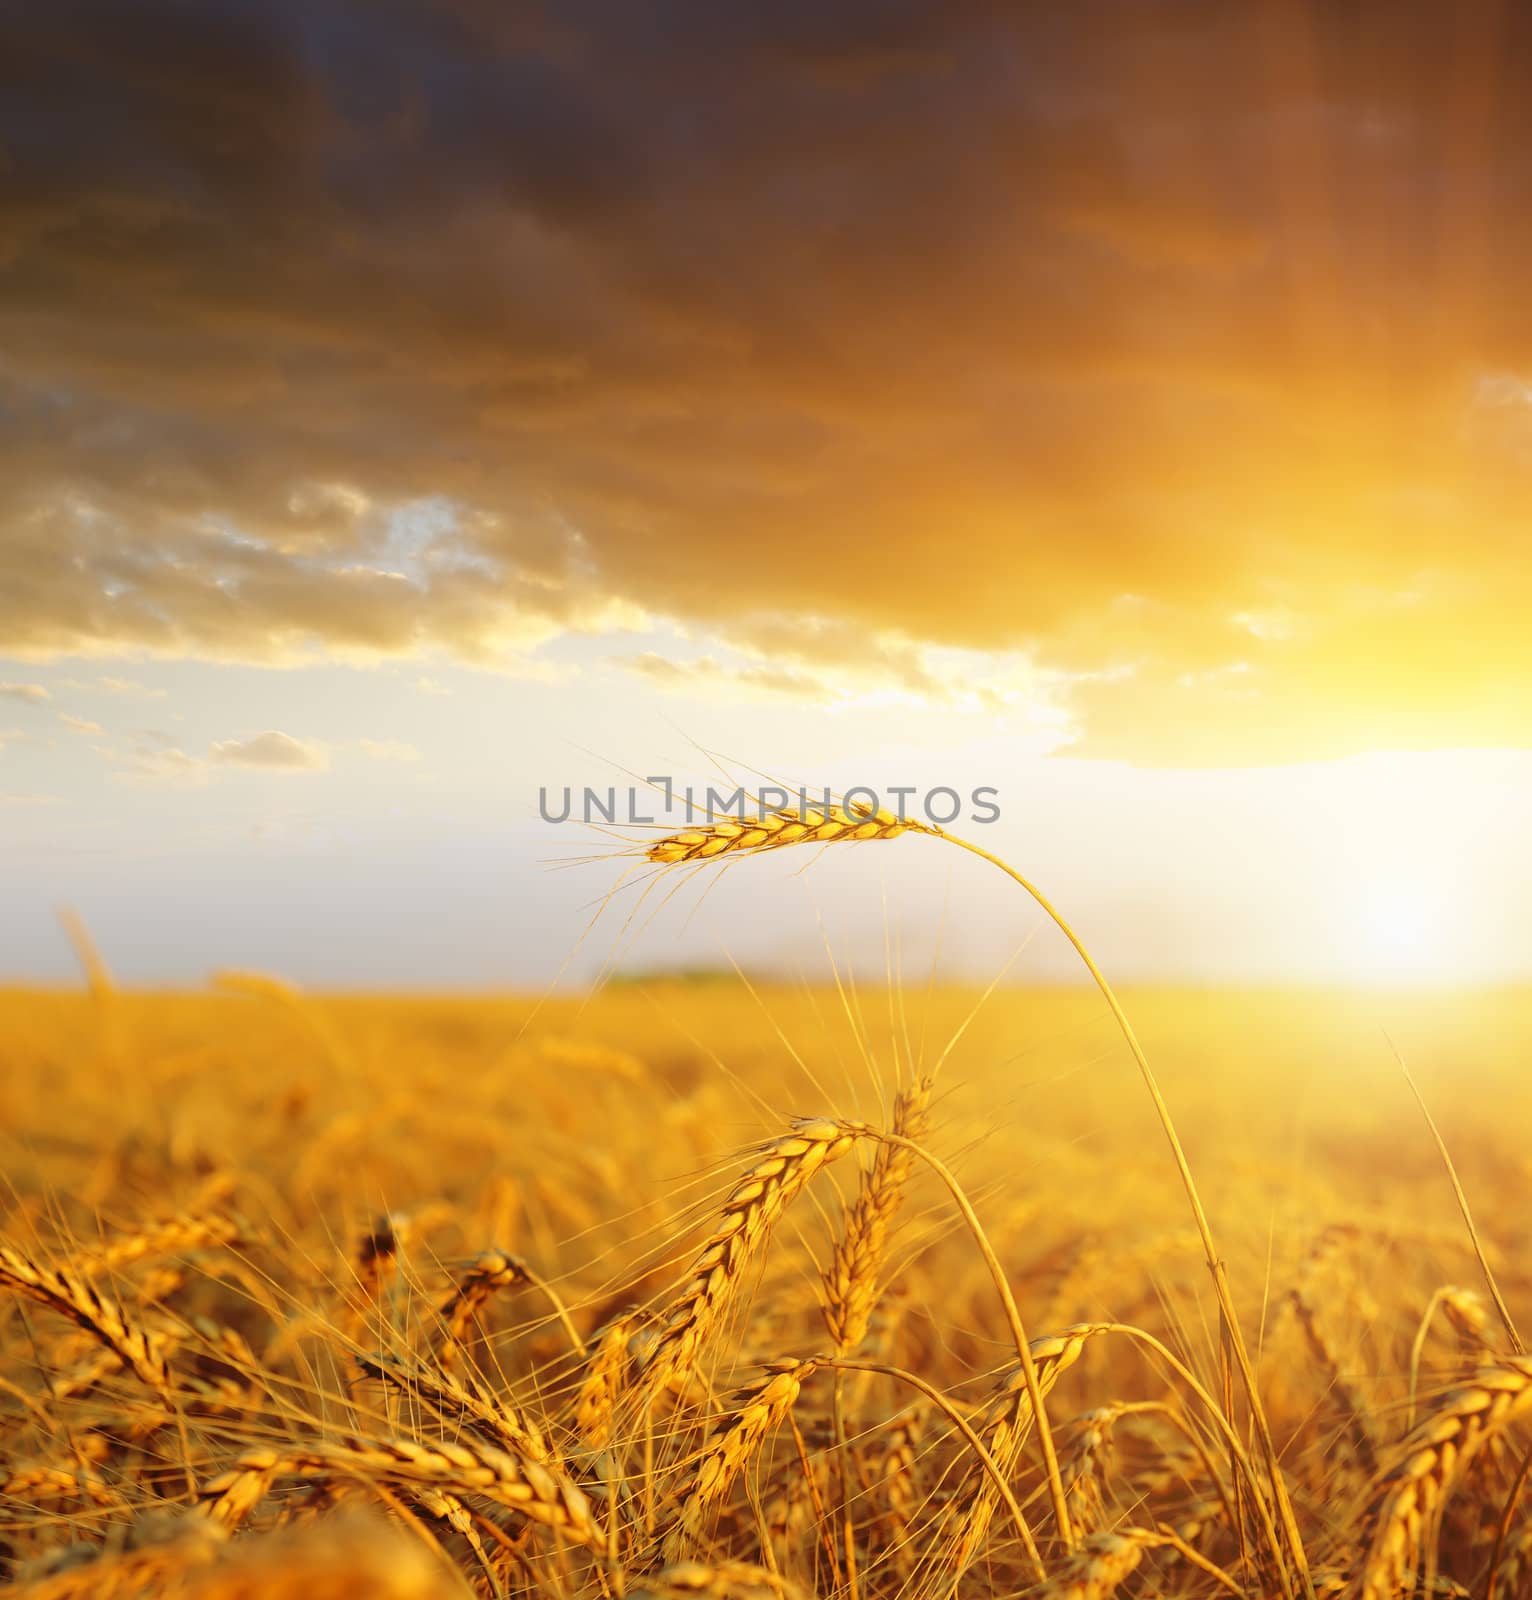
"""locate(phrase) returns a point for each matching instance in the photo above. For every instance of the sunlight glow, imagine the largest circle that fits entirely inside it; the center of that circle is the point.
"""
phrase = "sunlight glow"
(1400, 933)
(1403, 874)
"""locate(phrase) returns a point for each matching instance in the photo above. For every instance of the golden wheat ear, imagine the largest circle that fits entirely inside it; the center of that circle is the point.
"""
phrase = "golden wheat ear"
(827, 825)
(752, 1413)
(850, 1281)
(781, 1173)
(1432, 1459)
(91, 1308)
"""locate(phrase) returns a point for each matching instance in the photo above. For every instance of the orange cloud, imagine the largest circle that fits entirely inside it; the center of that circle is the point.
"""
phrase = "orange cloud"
(1184, 379)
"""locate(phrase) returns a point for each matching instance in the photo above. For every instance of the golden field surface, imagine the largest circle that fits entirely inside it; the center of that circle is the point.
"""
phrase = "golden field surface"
(451, 1296)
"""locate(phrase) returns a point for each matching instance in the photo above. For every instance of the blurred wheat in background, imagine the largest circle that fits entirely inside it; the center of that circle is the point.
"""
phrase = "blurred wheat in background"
(712, 1289)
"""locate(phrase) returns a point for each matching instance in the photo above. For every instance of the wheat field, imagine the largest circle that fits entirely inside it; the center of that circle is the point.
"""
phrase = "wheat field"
(451, 1296)
(480, 477)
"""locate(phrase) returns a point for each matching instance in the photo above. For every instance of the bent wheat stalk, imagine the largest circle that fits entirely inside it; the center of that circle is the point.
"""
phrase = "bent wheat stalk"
(608, 1363)
(1413, 1493)
(172, 1236)
(532, 1489)
(1226, 1311)
(851, 1279)
(1028, 1366)
(861, 822)
(1217, 1416)
(1004, 1427)
(490, 1271)
(76, 1297)
(1109, 1559)
(1517, 1347)
(462, 1401)
(752, 1208)
(754, 1411)
(777, 828)
(991, 1467)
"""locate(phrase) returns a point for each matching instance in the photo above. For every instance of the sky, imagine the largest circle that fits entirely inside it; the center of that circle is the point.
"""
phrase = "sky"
(405, 408)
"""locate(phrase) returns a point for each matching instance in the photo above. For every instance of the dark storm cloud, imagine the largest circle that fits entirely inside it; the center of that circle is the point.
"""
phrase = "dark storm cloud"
(1105, 332)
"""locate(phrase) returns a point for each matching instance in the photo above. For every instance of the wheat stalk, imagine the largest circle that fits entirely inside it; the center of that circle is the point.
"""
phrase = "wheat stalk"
(861, 822)
(1003, 1426)
(174, 1236)
(1413, 1493)
(1104, 1562)
(535, 1490)
(607, 1369)
(227, 1498)
(781, 1173)
(850, 1280)
(377, 1261)
(1083, 1480)
(1466, 1311)
(76, 1297)
(753, 1412)
(491, 1271)
(1108, 1559)
(462, 1400)
(773, 830)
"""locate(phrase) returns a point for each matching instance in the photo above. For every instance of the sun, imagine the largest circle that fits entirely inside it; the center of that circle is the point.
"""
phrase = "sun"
(1404, 893)
(1401, 931)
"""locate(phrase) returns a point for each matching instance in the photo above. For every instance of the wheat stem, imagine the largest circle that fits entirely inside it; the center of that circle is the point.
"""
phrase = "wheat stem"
(1215, 1262)
(1517, 1347)
(1013, 1316)
(974, 1442)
